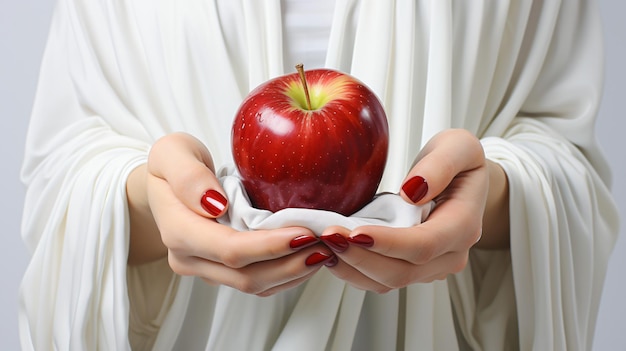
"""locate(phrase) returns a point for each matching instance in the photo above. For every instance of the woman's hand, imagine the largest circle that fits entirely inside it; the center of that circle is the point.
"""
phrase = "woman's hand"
(452, 171)
(184, 197)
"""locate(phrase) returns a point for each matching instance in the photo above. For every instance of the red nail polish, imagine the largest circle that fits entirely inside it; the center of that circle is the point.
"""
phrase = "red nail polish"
(335, 242)
(302, 241)
(362, 240)
(415, 188)
(318, 258)
(213, 202)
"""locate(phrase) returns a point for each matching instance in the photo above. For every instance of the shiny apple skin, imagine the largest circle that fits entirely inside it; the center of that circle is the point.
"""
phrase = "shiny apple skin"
(331, 158)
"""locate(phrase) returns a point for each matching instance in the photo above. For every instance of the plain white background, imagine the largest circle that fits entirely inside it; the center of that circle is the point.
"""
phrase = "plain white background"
(23, 30)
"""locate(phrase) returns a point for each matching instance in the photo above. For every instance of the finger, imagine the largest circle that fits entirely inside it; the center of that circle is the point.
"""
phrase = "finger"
(186, 164)
(239, 249)
(381, 273)
(289, 285)
(442, 158)
(455, 223)
(257, 278)
(184, 232)
(417, 245)
(357, 279)
(335, 238)
(273, 290)
(449, 228)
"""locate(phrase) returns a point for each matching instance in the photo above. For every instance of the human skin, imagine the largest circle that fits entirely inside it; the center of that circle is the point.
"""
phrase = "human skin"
(167, 219)
(471, 195)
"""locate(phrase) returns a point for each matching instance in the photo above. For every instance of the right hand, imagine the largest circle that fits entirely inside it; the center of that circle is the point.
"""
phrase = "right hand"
(180, 171)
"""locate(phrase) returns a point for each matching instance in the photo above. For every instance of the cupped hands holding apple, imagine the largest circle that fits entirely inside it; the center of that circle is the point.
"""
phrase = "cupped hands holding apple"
(184, 207)
(339, 174)
(325, 148)
(452, 171)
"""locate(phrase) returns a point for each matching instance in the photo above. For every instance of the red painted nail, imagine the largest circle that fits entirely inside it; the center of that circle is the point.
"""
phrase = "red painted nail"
(335, 242)
(362, 240)
(415, 188)
(318, 258)
(302, 241)
(213, 202)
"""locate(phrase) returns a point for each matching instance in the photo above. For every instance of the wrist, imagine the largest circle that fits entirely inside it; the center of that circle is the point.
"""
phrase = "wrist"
(496, 225)
(145, 243)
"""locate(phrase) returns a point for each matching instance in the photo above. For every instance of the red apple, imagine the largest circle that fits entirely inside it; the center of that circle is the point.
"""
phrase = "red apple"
(316, 139)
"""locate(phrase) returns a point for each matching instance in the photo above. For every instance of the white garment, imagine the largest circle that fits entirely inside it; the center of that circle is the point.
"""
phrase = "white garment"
(524, 76)
(306, 30)
(305, 317)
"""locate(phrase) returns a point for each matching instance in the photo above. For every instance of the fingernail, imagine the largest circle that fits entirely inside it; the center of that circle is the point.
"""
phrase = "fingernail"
(318, 258)
(213, 202)
(302, 241)
(332, 262)
(415, 188)
(335, 242)
(362, 240)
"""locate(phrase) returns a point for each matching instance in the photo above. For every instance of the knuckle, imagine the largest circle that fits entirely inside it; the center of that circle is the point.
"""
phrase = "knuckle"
(160, 146)
(459, 263)
(402, 278)
(249, 285)
(293, 272)
(272, 250)
(425, 254)
(441, 276)
(172, 241)
(265, 293)
(156, 148)
(178, 266)
(474, 238)
(232, 258)
(406, 279)
(466, 136)
(184, 180)
(474, 232)
(342, 275)
(396, 285)
(382, 290)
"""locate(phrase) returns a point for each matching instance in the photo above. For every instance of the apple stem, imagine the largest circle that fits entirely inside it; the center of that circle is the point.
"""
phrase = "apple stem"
(300, 68)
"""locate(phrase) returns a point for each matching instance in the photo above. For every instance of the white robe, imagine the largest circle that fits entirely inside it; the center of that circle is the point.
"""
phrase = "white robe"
(526, 77)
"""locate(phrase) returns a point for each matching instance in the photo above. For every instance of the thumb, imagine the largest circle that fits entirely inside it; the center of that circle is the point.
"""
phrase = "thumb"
(444, 157)
(186, 165)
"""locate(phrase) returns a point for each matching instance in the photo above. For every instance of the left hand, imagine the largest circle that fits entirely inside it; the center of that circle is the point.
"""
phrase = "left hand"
(452, 171)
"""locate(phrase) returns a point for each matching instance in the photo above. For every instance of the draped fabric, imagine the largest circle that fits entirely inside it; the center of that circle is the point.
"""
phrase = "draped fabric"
(524, 76)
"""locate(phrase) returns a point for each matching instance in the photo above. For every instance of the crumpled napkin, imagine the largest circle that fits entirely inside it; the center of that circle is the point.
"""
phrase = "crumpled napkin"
(386, 209)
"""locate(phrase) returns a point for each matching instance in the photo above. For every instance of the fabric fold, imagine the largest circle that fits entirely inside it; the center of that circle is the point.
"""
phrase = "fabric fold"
(324, 311)
(116, 76)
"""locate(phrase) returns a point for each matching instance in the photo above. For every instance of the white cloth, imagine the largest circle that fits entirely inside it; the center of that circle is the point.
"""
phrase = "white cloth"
(386, 209)
(305, 317)
(306, 30)
(524, 76)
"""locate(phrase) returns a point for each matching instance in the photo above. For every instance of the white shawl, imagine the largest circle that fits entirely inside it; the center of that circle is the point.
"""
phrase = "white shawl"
(524, 76)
